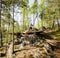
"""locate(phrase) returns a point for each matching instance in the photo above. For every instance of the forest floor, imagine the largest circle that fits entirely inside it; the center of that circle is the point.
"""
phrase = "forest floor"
(56, 50)
(56, 36)
(23, 53)
(54, 42)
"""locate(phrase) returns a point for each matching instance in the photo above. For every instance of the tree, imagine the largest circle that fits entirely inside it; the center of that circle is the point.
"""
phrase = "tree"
(0, 23)
(34, 10)
(50, 11)
(24, 11)
(41, 7)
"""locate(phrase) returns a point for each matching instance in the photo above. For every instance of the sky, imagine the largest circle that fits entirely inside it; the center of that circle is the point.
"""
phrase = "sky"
(17, 16)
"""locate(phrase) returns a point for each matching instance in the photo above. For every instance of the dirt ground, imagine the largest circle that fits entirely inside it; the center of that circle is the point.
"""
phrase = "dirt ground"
(56, 51)
(23, 53)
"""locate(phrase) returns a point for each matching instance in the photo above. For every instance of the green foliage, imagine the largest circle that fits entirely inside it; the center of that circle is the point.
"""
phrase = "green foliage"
(34, 7)
(47, 12)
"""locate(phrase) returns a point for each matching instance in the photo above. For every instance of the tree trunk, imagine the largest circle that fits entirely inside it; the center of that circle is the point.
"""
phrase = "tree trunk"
(53, 24)
(0, 24)
(38, 20)
(58, 24)
(23, 19)
(13, 29)
(41, 22)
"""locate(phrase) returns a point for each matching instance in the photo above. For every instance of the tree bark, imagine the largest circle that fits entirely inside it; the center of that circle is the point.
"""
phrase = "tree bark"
(0, 24)
(53, 24)
(58, 24)
(13, 29)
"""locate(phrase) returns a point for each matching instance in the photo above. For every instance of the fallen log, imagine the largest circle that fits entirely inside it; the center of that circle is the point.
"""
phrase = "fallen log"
(54, 44)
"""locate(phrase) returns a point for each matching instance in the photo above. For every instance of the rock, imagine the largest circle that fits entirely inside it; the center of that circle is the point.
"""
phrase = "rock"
(25, 42)
(21, 47)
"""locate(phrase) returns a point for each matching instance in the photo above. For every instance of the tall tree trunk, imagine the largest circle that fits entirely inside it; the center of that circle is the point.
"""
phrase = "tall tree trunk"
(58, 24)
(0, 24)
(41, 22)
(53, 24)
(13, 28)
(23, 19)
(33, 22)
(38, 20)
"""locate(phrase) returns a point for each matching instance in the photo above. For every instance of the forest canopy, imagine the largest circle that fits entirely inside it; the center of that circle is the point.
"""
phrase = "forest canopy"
(26, 12)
